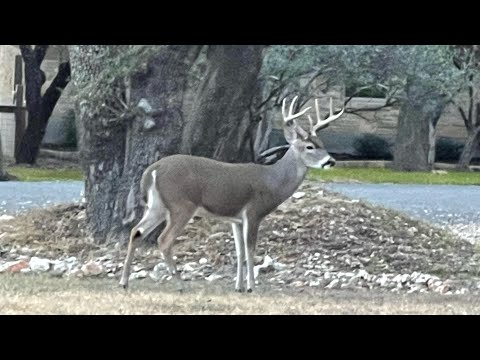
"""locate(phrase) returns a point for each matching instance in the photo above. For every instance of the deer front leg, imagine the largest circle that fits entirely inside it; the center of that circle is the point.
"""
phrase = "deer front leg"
(240, 250)
(250, 230)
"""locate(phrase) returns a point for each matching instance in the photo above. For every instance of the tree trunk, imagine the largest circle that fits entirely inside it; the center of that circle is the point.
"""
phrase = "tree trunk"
(115, 157)
(102, 149)
(39, 107)
(220, 124)
(469, 150)
(3, 173)
(415, 141)
(150, 138)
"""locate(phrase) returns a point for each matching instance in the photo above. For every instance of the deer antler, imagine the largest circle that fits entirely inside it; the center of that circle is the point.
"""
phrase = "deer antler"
(322, 123)
(291, 117)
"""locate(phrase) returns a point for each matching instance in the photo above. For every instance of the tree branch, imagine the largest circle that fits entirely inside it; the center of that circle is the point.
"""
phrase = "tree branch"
(52, 94)
(40, 52)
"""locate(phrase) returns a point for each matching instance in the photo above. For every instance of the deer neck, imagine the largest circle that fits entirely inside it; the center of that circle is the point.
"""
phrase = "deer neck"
(287, 174)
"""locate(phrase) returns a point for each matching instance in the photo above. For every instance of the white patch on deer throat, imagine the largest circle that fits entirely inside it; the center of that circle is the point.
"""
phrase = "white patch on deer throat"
(319, 164)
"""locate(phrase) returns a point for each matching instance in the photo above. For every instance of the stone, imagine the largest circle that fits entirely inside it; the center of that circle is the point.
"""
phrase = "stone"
(298, 195)
(202, 261)
(138, 275)
(92, 269)
(6, 217)
(333, 284)
(14, 266)
(214, 277)
(39, 264)
(59, 268)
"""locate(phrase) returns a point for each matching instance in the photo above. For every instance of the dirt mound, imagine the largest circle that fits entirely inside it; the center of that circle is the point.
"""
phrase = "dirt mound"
(314, 230)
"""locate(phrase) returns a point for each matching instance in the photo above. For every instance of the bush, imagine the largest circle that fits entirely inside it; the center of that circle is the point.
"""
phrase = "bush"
(370, 146)
(448, 150)
(71, 129)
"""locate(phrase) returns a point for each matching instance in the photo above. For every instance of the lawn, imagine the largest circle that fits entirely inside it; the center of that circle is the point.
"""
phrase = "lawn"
(30, 294)
(383, 175)
(40, 174)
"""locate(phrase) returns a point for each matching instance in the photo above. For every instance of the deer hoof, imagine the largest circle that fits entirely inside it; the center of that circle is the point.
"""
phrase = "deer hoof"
(240, 290)
(249, 290)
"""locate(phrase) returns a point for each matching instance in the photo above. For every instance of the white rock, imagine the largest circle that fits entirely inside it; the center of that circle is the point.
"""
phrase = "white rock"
(298, 195)
(59, 268)
(333, 284)
(188, 267)
(137, 268)
(267, 261)
(160, 267)
(155, 275)
(6, 217)
(202, 261)
(138, 275)
(39, 265)
(213, 277)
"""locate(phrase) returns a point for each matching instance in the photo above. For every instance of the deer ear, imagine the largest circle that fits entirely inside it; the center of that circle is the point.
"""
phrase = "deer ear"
(289, 132)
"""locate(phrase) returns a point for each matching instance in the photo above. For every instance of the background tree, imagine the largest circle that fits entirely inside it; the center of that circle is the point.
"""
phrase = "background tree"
(132, 110)
(3, 173)
(40, 106)
(467, 59)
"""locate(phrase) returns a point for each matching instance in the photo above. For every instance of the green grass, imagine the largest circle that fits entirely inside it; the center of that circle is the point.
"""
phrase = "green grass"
(36, 174)
(380, 175)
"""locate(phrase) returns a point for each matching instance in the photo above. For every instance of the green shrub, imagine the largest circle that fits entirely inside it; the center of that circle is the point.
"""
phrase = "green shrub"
(71, 136)
(448, 150)
(370, 146)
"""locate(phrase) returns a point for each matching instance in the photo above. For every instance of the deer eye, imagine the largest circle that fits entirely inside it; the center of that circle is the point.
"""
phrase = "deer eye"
(310, 147)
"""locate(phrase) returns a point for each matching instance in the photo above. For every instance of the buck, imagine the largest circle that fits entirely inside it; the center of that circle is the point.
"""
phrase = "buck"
(178, 187)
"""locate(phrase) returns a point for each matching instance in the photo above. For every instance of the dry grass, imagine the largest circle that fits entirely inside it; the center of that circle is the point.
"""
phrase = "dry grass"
(20, 294)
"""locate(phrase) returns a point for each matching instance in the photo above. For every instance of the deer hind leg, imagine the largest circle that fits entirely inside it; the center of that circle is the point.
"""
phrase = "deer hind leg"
(240, 250)
(176, 221)
(153, 216)
(250, 230)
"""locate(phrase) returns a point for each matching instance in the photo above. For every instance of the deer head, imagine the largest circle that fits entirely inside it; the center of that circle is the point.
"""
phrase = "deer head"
(306, 144)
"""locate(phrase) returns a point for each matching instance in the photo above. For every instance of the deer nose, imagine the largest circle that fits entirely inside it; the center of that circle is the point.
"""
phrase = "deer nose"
(330, 163)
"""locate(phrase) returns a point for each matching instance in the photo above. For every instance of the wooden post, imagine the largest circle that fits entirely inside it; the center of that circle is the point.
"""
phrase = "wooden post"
(20, 123)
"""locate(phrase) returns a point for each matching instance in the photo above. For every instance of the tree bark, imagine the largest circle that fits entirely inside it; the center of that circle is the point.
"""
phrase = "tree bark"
(469, 149)
(150, 138)
(415, 141)
(219, 125)
(3, 173)
(39, 107)
(102, 149)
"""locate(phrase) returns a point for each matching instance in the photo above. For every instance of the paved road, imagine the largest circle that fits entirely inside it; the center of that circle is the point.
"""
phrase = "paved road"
(16, 197)
(441, 204)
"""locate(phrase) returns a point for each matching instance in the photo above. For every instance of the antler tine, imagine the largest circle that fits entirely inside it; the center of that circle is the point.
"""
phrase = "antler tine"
(291, 115)
(322, 123)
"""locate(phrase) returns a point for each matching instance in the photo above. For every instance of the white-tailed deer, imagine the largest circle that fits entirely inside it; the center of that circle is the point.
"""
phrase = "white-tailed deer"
(178, 187)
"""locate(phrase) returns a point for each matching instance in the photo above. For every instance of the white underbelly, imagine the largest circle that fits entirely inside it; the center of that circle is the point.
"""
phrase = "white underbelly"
(201, 212)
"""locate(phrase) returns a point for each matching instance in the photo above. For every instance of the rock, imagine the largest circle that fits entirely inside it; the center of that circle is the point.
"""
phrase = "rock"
(6, 217)
(160, 267)
(59, 268)
(298, 195)
(202, 261)
(335, 283)
(213, 277)
(14, 266)
(39, 264)
(138, 275)
(137, 268)
(267, 263)
(92, 269)
(188, 267)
